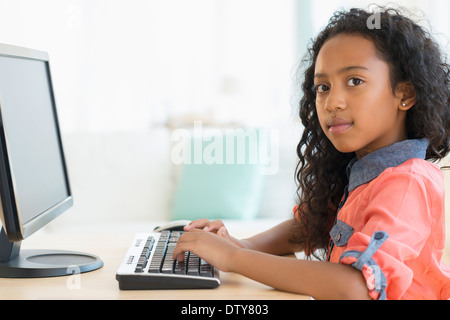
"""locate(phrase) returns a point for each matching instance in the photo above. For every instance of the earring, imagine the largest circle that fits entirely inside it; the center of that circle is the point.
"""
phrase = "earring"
(403, 104)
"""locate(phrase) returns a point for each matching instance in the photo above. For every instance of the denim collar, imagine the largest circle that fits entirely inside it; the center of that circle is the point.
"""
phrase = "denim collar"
(372, 165)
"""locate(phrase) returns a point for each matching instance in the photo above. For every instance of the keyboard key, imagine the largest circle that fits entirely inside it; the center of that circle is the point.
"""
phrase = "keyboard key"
(142, 262)
(193, 265)
(206, 270)
(167, 267)
(181, 266)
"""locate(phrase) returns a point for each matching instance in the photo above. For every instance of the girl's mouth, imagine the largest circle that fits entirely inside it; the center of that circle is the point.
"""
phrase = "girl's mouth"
(338, 126)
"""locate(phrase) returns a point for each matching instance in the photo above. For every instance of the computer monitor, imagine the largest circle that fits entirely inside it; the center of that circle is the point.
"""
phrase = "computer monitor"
(34, 184)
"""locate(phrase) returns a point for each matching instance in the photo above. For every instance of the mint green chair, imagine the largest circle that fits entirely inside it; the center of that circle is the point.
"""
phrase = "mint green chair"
(219, 191)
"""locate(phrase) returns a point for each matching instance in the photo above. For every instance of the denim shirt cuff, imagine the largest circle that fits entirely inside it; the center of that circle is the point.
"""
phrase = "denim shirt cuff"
(375, 279)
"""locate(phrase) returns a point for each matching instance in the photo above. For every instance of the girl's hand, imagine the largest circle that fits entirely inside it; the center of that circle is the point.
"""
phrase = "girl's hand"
(217, 227)
(216, 250)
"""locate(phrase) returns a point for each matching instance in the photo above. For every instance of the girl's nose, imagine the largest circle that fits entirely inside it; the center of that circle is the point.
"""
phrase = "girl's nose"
(335, 101)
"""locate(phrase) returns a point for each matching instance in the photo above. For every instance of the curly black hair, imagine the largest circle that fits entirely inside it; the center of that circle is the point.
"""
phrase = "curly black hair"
(413, 56)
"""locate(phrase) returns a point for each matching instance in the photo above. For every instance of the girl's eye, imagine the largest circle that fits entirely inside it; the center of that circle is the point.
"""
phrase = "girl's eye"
(321, 88)
(353, 82)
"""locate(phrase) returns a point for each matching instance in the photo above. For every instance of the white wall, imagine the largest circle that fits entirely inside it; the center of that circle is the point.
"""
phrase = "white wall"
(126, 72)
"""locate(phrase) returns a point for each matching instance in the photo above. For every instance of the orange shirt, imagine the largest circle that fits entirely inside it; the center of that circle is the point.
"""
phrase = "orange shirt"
(391, 225)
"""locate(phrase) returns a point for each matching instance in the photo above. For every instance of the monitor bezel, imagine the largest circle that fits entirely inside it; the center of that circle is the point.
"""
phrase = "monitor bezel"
(15, 228)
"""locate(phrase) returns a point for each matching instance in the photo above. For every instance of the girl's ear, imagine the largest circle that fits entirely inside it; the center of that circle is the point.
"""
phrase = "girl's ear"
(406, 92)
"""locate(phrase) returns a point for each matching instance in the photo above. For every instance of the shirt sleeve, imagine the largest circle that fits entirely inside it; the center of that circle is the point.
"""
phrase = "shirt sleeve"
(397, 223)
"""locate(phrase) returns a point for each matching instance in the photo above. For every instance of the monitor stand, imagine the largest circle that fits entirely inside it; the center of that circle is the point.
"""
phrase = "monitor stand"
(15, 263)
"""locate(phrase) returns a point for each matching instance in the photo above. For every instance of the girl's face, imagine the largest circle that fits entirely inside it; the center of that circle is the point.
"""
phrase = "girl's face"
(355, 104)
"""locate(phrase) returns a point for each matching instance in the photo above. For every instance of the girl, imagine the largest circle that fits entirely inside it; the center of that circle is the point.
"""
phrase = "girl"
(375, 107)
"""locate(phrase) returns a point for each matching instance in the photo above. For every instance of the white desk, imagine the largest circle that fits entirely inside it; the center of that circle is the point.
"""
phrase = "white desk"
(101, 284)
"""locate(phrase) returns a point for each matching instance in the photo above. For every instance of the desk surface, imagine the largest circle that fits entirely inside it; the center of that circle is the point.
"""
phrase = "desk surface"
(101, 284)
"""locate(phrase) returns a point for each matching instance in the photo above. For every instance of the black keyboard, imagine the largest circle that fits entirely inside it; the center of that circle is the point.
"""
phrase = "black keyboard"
(148, 264)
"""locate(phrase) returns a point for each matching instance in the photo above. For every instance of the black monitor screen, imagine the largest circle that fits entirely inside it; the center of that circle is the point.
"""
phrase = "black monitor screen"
(32, 138)
(34, 186)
